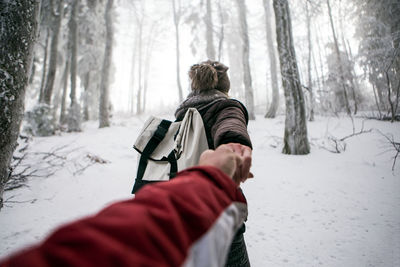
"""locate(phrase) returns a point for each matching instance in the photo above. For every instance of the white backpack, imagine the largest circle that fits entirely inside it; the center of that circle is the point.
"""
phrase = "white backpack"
(167, 147)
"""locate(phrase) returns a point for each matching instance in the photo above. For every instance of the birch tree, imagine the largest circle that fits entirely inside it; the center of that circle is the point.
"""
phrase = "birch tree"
(295, 136)
(18, 27)
(249, 95)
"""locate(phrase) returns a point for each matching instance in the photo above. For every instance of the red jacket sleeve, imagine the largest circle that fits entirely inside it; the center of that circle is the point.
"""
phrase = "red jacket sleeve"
(189, 220)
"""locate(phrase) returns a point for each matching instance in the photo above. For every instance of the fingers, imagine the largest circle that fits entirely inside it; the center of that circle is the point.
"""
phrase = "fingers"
(243, 161)
(233, 159)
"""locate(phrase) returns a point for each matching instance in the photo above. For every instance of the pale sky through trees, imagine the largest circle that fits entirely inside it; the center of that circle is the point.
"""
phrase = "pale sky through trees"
(162, 89)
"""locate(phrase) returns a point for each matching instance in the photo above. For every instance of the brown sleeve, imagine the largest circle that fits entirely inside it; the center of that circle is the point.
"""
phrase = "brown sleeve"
(231, 126)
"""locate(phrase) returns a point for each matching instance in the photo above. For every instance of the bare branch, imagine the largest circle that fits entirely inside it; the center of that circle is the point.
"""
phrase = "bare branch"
(356, 133)
(395, 145)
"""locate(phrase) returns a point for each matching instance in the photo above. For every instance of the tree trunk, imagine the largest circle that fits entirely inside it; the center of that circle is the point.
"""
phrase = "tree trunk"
(271, 112)
(310, 87)
(33, 70)
(340, 66)
(149, 50)
(353, 84)
(104, 118)
(19, 26)
(209, 31)
(177, 15)
(51, 75)
(74, 115)
(140, 67)
(249, 96)
(44, 67)
(316, 75)
(295, 138)
(131, 103)
(86, 84)
(74, 49)
(221, 31)
(63, 118)
(376, 100)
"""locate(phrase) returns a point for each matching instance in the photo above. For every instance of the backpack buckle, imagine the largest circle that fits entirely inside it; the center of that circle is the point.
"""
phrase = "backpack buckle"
(160, 133)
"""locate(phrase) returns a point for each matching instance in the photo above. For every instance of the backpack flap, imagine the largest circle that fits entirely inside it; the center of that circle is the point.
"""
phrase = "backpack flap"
(154, 144)
(191, 140)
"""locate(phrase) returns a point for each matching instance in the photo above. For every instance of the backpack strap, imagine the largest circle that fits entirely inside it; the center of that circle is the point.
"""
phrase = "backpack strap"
(174, 164)
(155, 140)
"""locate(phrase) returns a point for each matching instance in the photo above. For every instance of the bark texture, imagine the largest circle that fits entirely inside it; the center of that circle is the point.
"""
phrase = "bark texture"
(295, 137)
(18, 26)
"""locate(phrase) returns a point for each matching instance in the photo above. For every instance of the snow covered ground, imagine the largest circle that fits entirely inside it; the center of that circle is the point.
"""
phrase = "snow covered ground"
(322, 209)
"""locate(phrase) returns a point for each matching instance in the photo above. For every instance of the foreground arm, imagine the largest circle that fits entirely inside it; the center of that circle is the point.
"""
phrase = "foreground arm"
(188, 220)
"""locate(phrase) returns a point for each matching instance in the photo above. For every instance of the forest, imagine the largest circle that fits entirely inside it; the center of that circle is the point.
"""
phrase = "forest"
(68, 63)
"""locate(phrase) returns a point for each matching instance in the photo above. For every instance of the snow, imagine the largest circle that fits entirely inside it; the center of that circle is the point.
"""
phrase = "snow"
(322, 209)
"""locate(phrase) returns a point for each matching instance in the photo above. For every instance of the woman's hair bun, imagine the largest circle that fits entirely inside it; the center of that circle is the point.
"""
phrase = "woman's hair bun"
(203, 76)
(224, 83)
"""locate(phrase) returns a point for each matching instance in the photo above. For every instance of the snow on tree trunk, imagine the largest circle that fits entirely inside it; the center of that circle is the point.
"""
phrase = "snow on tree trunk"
(249, 96)
(51, 75)
(74, 112)
(271, 113)
(295, 138)
(209, 32)
(18, 26)
(104, 120)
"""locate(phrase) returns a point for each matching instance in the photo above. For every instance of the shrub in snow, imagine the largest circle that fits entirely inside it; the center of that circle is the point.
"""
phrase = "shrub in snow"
(40, 121)
(74, 118)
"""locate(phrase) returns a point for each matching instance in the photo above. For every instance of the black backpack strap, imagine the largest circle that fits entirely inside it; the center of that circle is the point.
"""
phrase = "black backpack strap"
(174, 164)
(155, 140)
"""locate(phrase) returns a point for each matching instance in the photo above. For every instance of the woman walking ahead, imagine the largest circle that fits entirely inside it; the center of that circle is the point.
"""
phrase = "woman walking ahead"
(225, 121)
